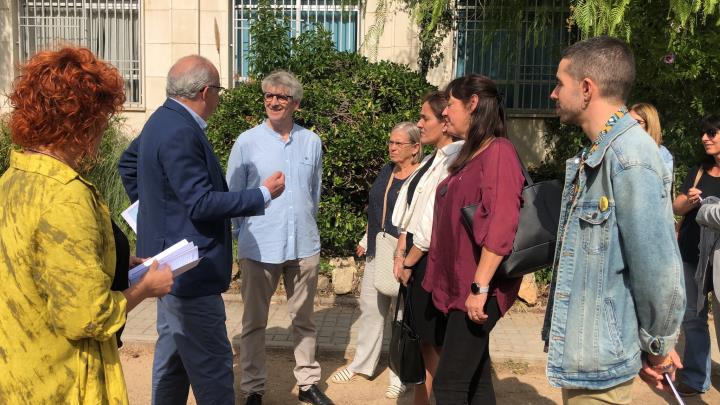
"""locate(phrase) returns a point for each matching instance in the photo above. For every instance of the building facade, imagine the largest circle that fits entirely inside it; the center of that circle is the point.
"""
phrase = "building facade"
(142, 38)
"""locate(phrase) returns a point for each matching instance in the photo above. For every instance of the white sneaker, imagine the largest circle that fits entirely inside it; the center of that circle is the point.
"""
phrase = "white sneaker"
(395, 391)
(343, 376)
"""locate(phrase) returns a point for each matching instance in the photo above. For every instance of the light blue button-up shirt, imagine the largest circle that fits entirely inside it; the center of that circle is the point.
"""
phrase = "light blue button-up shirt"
(288, 230)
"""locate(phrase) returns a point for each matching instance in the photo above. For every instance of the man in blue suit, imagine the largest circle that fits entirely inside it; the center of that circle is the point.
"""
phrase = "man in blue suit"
(171, 168)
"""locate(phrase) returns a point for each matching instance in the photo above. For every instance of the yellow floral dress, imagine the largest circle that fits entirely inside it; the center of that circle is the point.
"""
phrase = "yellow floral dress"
(57, 313)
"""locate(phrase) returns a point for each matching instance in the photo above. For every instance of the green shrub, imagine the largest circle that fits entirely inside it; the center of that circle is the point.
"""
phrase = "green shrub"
(5, 147)
(104, 175)
(350, 103)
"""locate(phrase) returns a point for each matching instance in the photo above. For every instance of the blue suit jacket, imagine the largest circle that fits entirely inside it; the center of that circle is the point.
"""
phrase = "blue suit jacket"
(173, 170)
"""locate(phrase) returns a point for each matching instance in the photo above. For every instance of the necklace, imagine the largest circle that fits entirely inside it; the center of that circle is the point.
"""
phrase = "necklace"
(587, 151)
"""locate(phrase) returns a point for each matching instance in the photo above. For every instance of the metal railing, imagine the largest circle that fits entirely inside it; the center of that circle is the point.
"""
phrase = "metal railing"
(340, 17)
(109, 28)
(522, 59)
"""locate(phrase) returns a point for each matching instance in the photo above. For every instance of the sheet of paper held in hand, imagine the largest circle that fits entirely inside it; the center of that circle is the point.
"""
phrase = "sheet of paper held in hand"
(180, 257)
(130, 215)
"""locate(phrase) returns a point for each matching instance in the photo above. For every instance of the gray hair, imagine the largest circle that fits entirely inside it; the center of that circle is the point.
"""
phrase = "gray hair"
(189, 76)
(413, 133)
(609, 62)
(286, 80)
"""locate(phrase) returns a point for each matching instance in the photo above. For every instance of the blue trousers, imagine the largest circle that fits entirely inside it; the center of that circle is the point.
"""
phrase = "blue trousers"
(696, 359)
(192, 349)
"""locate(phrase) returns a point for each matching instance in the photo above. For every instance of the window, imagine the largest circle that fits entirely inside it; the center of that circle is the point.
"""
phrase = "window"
(340, 17)
(109, 28)
(522, 62)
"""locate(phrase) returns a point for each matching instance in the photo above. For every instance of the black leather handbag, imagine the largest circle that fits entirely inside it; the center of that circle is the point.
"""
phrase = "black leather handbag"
(534, 245)
(405, 354)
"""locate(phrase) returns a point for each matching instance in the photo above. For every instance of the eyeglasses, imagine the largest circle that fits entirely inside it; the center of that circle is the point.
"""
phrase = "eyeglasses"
(710, 135)
(220, 89)
(641, 122)
(393, 143)
(281, 98)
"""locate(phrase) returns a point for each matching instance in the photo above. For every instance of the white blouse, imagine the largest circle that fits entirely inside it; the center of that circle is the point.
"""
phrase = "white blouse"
(417, 217)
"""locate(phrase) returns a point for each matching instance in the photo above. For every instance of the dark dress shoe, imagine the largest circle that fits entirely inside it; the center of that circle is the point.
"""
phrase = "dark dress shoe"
(687, 391)
(313, 395)
(253, 399)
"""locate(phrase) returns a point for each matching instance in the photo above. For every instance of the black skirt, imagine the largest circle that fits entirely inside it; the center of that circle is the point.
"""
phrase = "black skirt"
(427, 321)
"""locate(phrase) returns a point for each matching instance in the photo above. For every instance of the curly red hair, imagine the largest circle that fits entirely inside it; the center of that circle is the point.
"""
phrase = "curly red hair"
(63, 100)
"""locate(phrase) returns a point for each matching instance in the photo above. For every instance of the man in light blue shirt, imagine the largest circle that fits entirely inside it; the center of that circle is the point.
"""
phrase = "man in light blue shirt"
(285, 241)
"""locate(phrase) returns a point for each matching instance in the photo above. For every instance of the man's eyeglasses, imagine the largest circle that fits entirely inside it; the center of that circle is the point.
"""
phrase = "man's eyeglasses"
(281, 98)
(220, 89)
(393, 143)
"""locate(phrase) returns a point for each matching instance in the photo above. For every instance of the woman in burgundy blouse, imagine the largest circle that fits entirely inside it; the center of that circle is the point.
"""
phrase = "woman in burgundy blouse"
(462, 262)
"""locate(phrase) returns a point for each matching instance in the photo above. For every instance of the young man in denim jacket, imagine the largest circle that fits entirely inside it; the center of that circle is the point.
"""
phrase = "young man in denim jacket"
(617, 299)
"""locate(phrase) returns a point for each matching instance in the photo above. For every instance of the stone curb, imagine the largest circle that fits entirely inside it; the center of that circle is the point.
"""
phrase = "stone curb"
(339, 300)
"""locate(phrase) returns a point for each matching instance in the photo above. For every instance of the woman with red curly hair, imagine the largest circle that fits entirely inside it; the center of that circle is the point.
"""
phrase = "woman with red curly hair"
(58, 315)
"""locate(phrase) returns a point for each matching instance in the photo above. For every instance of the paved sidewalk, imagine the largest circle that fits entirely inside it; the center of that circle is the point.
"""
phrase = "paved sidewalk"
(516, 336)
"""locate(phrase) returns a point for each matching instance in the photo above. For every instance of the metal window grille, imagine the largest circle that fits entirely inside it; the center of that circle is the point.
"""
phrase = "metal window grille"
(340, 17)
(109, 28)
(523, 60)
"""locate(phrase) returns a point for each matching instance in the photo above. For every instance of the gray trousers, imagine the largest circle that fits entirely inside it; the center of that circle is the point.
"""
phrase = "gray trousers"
(259, 282)
(374, 308)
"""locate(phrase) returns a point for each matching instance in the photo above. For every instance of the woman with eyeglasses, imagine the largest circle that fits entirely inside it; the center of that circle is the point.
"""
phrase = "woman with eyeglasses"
(701, 182)
(405, 154)
(647, 116)
(413, 214)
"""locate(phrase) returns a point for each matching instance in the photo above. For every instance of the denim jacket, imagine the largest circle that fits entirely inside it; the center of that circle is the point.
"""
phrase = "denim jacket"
(618, 283)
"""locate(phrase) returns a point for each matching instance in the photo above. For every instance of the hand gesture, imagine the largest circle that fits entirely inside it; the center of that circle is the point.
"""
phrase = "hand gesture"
(693, 195)
(475, 305)
(275, 184)
(653, 368)
(157, 281)
(360, 251)
(136, 261)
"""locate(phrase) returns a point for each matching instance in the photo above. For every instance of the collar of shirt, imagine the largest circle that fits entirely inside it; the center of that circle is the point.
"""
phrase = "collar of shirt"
(195, 116)
(276, 134)
(451, 149)
(47, 166)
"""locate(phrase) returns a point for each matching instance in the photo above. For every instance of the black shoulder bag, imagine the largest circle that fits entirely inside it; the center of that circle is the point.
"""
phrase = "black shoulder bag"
(534, 245)
(405, 354)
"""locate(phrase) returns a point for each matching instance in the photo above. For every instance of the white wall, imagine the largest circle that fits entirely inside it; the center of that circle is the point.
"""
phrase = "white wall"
(7, 58)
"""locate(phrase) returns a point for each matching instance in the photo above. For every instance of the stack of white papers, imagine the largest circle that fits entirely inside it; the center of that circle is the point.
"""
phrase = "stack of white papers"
(130, 215)
(180, 257)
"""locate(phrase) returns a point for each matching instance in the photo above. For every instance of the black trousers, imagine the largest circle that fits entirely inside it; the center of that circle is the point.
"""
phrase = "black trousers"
(463, 375)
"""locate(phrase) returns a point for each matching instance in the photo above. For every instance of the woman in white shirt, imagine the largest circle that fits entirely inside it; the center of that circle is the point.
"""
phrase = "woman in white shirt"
(413, 215)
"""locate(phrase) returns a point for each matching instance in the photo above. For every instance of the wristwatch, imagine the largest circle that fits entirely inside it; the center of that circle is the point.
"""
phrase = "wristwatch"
(405, 266)
(476, 289)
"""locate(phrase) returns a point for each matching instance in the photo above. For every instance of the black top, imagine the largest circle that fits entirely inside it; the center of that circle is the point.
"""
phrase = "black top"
(375, 206)
(689, 235)
(122, 267)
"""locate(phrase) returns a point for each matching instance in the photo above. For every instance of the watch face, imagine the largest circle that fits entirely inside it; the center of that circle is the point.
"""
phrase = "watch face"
(474, 288)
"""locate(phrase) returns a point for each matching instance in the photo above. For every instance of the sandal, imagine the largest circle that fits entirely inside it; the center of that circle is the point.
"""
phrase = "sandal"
(343, 376)
(394, 391)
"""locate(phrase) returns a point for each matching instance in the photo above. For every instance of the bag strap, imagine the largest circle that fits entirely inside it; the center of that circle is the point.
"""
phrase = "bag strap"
(416, 179)
(698, 175)
(401, 293)
(404, 296)
(387, 189)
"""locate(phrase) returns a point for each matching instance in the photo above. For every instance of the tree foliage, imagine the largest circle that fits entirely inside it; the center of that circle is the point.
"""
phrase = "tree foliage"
(349, 102)
(679, 74)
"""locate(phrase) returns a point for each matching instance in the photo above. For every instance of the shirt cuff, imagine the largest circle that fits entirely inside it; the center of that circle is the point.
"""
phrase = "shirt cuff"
(266, 195)
(657, 345)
